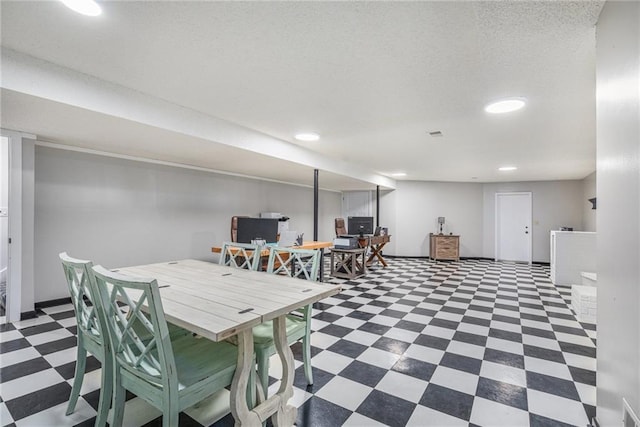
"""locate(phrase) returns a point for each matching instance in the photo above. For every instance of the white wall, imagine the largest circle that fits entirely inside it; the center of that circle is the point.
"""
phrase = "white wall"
(388, 214)
(418, 206)
(618, 221)
(469, 210)
(358, 203)
(555, 204)
(120, 212)
(588, 192)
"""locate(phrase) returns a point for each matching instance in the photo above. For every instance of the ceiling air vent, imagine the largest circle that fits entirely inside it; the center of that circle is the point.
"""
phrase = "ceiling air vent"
(436, 134)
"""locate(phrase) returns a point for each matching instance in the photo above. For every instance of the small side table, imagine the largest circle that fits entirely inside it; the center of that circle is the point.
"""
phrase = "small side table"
(444, 246)
(348, 263)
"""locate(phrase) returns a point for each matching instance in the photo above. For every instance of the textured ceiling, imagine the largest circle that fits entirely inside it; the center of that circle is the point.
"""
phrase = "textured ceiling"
(372, 78)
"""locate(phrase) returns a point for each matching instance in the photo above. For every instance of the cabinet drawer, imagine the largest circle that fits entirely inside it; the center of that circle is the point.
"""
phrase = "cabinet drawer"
(449, 241)
(447, 253)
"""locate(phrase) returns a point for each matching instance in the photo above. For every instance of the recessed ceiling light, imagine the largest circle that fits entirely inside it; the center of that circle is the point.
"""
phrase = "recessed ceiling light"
(307, 136)
(85, 7)
(507, 168)
(505, 105)
(398, 174)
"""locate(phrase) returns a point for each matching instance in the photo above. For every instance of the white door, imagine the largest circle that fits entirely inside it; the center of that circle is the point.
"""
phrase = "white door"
(513, 227)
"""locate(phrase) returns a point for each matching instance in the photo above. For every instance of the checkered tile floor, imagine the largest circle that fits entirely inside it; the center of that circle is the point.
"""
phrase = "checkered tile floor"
(418, 343)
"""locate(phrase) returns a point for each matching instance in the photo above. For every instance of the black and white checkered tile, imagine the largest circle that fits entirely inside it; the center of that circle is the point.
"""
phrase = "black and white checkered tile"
(418, 343)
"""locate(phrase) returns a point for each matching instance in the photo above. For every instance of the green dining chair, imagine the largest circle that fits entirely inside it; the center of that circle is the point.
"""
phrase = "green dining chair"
(241, 255)
(170, 373)
(300, 263)
(90, 338)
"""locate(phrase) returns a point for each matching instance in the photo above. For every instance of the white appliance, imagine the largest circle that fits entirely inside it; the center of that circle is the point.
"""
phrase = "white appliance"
(572, 252)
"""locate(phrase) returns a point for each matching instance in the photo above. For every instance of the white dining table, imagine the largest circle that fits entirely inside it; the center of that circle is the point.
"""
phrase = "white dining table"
(218, 302)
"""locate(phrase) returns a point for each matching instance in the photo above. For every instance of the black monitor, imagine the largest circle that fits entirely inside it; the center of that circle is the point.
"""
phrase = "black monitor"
(257, 228)
(360, 224)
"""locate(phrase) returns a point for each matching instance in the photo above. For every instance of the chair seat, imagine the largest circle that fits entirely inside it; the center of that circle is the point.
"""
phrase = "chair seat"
(199, 358)
(145, 334)
(263, 333)
(200, 363)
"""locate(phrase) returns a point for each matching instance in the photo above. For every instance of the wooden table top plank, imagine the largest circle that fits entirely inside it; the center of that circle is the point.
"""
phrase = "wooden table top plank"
(197, 316)
(227, 285)
(202, 272)
(311, 244)
(219, 296)
(168, 285)
(226, 303)
(203, 322)
(225, 294)
(223, 277)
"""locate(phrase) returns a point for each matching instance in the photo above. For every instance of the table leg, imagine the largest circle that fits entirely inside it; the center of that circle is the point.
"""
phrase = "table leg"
(286, 414)
(275, 406)
(379, 255)
(377, 249)
(239, 408)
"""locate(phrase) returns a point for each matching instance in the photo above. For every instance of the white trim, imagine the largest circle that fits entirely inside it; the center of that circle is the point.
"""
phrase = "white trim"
(166, 163)
(628, 415)
(14, 264)
(496, 222)
(15, 271)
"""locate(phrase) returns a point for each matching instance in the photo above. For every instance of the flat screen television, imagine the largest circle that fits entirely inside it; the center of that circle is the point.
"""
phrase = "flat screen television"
(257, 228)
(360, 225)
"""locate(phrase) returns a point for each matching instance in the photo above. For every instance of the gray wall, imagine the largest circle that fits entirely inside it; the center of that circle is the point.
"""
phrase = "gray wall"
(120, 212)
(555, 204)
(618, 221)
(411, 211)
(418, 206)
(588, 214)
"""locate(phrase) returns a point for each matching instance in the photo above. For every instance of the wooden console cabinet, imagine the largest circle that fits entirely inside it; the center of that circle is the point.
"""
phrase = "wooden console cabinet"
(444, 246)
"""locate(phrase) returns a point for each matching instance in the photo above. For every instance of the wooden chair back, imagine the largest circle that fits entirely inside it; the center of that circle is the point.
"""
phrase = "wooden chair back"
(79, 277)
(240, 255)
(300, 263)
(340, 227)
(144, 350)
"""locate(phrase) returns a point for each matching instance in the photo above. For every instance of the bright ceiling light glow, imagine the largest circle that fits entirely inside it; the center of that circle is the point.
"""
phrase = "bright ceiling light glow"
(85, 7)
(505, 106)
(507, 168)
(307, 136)
(399, 174)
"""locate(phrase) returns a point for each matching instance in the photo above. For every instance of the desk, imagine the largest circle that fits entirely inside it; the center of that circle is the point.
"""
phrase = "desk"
(305, 245)
(376, 243)
(218, 302)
